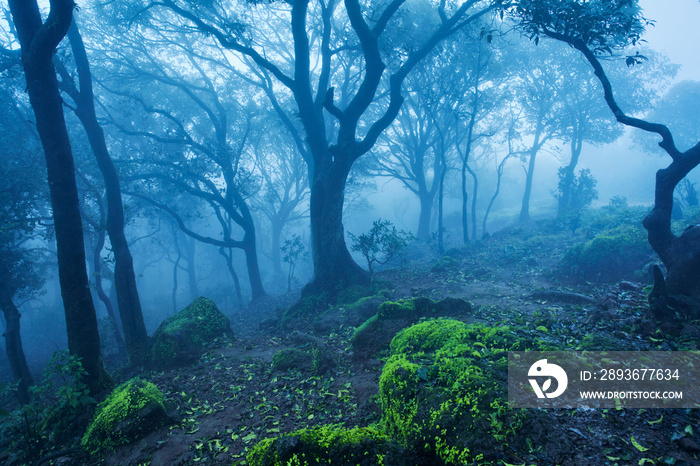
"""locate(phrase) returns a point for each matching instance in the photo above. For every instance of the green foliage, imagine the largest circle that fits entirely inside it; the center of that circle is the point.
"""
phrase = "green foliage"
(382, 244)
(59, 405)
(583, 191)
(603, 26)
(292, 252)
(125, 415)
(328, 444)
(185, 335)
(612, 255)
(443, 390)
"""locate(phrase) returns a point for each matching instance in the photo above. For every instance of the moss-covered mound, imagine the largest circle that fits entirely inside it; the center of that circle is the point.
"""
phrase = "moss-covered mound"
(329, 444)
(443, 391)
(377, 331)
(182, 338)
(613, 255)
(132, 410)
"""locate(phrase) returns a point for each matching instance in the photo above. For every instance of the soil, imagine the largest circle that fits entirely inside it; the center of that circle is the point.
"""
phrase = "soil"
(232, 398)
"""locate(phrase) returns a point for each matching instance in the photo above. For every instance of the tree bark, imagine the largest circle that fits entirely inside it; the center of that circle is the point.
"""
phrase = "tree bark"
(567, 181)
(427, 199)
(680, 255)
(525, 209)
(111, 315)
(334, 268)
(128, 300)
(38, 41)
(13, 346)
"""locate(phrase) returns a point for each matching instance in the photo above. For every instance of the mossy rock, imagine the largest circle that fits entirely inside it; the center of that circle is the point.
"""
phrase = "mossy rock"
(443, 391)
(329, 444)
(132, 410)
(183, 338)
(611, 256)
(392, 316)
(313, 360)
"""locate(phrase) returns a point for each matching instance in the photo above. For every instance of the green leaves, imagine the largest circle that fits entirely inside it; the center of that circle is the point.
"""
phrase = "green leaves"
(382, 244)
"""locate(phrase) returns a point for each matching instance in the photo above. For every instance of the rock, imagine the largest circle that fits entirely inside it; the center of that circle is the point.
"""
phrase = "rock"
(131, 411)
(377, 331)
(183, 338)
(329, 444)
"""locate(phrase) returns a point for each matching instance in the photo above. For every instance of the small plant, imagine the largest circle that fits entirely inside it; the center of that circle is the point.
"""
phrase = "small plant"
(292, 251)
(382, 244)
(57, 407)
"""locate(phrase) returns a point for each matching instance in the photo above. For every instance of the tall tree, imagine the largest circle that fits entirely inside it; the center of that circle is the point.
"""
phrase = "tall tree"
(596, 30)
(38, 41)
(23, 202)
(322, 34)
(128, 301)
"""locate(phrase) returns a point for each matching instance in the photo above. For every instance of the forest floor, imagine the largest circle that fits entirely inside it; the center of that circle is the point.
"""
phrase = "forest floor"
(230, 399)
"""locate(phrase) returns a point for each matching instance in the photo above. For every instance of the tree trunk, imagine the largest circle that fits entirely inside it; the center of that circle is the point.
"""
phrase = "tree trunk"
(276, 252)
(97, 264)
(334, 268)
(190, 246)
(13, 346)
(569, 174)
(525, 209)
(38, 42)
(465, 201)
(475, 191)
(236, 283)
(124, 277)
(427, 200)
(680, 255)
(251, 259)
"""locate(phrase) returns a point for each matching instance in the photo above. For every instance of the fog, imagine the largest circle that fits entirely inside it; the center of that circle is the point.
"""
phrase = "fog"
(224, 150)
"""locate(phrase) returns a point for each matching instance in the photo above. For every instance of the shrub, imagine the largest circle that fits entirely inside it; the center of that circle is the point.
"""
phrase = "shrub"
(612, 255)
(382, 244)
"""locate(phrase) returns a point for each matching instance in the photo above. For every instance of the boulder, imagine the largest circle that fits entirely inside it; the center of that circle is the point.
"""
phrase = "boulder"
(183, 338)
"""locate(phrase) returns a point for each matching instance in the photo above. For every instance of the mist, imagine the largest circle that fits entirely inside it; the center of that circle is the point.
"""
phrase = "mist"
(270, 224)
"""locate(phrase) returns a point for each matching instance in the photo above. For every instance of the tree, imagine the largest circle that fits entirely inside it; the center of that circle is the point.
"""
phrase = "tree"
(136, 338)
(585, 115)
(22, 206)
(204, 132)
(307, 70)
(38, 41)
(599, 29)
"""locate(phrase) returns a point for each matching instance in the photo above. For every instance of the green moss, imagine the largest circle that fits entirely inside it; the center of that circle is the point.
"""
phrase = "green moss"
(329, 444)
(611, 255)
(185, 335)
(352, 294)
(443, 390)
(367, 324)
(406, 308)
(128, 413)
(444, 263)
